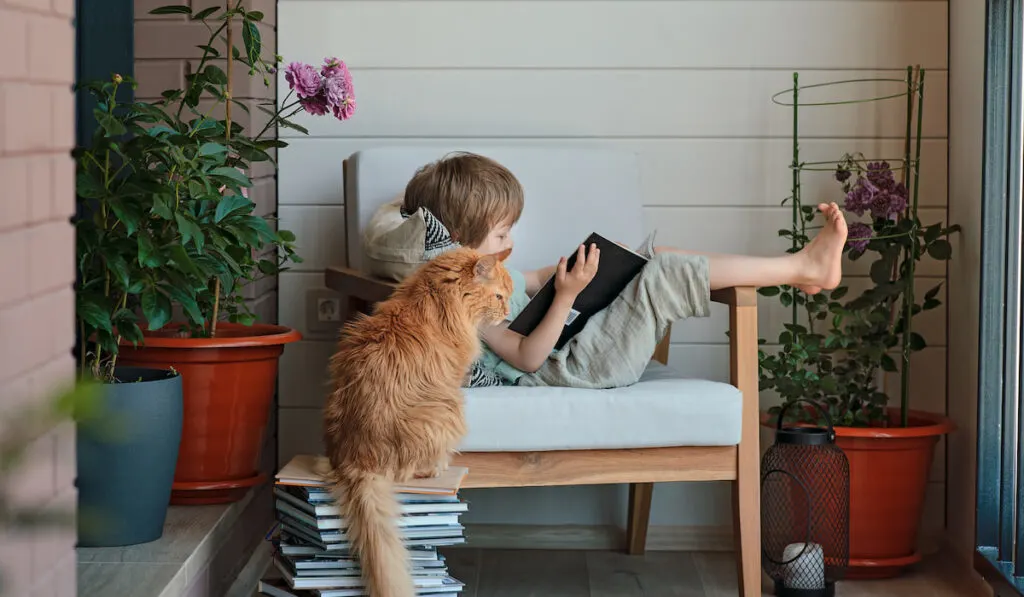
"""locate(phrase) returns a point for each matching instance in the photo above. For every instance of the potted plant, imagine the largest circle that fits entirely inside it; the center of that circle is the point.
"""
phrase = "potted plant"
(181, 191)
(838, 348)
(124, 468)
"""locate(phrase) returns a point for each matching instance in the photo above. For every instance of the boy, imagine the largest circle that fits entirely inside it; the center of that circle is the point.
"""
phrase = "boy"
(471, 200)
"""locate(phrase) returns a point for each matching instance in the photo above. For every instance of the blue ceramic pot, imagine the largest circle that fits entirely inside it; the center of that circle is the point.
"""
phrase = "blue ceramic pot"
(126, 459)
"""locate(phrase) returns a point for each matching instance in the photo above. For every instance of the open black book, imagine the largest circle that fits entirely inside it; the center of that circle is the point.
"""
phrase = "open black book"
(617, 268)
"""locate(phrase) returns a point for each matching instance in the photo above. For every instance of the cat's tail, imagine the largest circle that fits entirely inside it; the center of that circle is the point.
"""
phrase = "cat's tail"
(367, 502)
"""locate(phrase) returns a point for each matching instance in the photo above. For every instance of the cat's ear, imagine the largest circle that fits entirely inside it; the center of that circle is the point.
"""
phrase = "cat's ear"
(484, 266)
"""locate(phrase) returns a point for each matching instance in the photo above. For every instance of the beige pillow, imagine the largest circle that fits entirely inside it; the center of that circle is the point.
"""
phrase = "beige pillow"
(395, 245)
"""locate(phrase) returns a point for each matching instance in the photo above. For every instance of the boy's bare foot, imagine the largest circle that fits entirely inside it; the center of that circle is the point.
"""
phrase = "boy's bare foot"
(824, 254)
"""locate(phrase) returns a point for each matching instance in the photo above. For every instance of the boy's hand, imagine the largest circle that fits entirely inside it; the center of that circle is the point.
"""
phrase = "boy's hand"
(571, 283)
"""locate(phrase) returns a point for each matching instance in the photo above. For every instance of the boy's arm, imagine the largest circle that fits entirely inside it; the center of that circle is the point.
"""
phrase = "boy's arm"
(528, 353)
(536, 278)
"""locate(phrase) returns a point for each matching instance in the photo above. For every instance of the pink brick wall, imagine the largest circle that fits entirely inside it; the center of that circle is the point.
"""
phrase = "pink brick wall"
(37, 269)
(165, 46)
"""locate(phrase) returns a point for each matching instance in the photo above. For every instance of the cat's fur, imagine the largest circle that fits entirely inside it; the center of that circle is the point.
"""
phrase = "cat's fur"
(396, 411)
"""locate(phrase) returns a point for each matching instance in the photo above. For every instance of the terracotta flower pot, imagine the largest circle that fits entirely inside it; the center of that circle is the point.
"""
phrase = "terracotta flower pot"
(228, 386)
(889, 469)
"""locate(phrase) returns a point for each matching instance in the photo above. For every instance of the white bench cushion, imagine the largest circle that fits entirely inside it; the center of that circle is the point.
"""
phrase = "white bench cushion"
(661, 410)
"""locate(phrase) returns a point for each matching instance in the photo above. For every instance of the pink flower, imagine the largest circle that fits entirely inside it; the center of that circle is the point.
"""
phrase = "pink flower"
(338, 85)
(858, 236)
(316, 105)
(303, 78)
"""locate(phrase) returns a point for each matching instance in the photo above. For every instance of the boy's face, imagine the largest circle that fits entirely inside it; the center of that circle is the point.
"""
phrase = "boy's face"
(498, 239)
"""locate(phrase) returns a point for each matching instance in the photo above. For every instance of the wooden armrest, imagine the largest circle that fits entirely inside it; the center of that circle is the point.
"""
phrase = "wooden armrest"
(356, 284)
(738, 296)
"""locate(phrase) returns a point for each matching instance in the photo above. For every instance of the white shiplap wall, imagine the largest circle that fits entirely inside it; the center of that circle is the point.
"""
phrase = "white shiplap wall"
(686, 84)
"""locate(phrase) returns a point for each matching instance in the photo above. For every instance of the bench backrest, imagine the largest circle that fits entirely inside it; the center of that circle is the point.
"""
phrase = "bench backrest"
(570, 192)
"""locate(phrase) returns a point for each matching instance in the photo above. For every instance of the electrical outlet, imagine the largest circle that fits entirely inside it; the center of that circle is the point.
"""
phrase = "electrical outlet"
(324, 313)
(328, 309)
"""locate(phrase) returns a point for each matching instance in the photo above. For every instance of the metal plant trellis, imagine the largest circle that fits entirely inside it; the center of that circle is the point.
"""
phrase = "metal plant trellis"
(900, 245)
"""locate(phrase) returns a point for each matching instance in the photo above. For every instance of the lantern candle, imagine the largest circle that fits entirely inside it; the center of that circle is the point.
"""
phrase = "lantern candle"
(804, 570)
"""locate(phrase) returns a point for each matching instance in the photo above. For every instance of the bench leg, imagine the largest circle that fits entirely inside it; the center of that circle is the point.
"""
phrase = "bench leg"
(639, 515)
(747, 529)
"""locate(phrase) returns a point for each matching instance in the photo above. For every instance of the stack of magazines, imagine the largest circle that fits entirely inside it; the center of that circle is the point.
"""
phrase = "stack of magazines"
(313, 557)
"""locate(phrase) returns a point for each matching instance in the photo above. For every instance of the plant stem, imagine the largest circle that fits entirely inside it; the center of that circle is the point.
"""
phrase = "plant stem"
(910, 112)
(231, 54)
(796, 173)
(117, 340)
(227, 137)
(199, 69)
(216, 307)
(912, 253)
(276, 117)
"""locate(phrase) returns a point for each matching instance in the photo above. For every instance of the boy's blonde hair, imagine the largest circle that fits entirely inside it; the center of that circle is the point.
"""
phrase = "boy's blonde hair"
(469, 193)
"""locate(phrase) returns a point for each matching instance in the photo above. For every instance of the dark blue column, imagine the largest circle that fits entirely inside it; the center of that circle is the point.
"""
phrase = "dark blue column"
(105, 35)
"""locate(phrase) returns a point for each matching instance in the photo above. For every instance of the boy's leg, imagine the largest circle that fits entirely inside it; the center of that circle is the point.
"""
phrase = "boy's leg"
(818, 265)
(616, 345)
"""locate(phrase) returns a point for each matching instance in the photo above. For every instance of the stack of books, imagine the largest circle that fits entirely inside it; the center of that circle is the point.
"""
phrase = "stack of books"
(312, 553)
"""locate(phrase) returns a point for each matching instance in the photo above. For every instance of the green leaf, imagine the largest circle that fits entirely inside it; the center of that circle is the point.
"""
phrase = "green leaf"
(290, 125)
(171, 10)
(840, 292)
(880, 271)
(254, 15)
(162, 207)
(211, 149)
(271, 143)
(930, 304)
(156, 307)
(888, 364)
(181, 258)
(243, 318)
(786, 299)
(231, 174)
(252, 40)
(232, 205)
(932, 232)
(764, 291)
(933, 292)
(110, 124)
(130, 331)
(917, 341)
(119, 268)
(202, 14)
(92, 313)
(88, 187)
(187, 302)
(147, 252)
(215, 75)
(289, 237)
(267, 267)
(126, 215)
(940, 249)
(189, 231)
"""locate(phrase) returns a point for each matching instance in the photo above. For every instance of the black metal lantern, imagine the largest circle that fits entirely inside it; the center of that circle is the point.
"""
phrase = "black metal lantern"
(805, 509)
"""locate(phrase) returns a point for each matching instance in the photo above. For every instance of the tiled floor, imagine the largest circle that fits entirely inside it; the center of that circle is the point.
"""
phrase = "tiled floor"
(541, 573)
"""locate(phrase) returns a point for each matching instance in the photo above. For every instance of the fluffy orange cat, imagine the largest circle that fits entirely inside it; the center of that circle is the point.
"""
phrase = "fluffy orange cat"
(396, 411)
